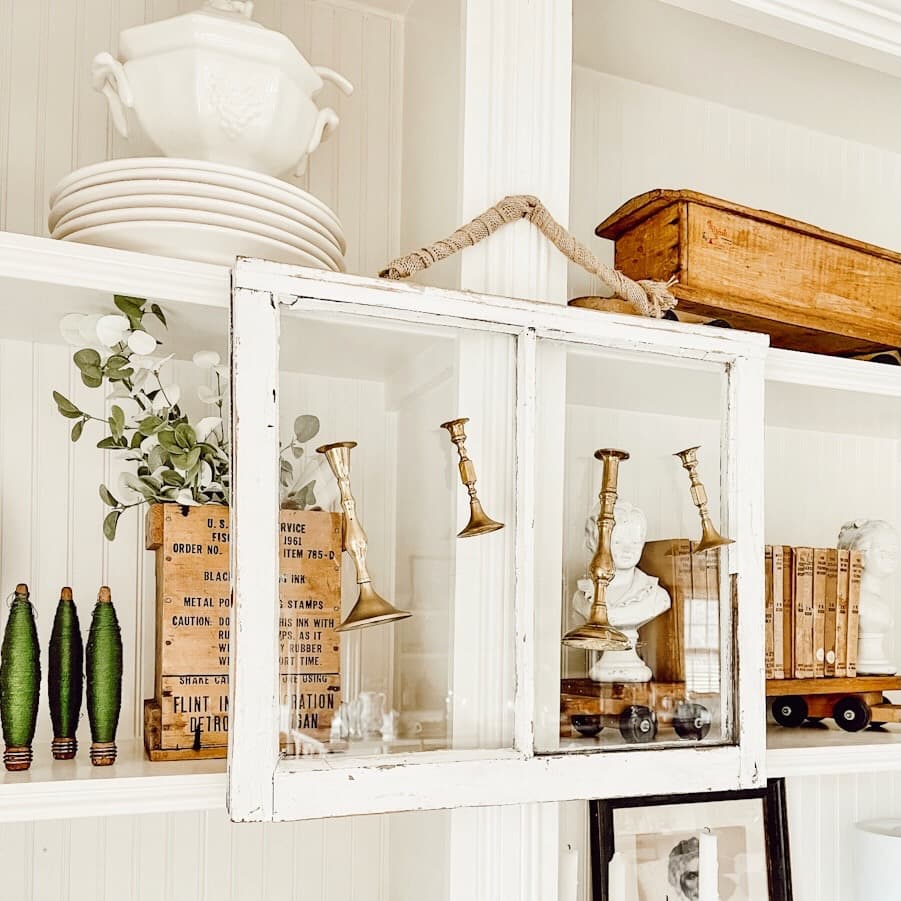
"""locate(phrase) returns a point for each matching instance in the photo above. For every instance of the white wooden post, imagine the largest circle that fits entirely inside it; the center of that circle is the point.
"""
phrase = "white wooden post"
(743, 494)
(517, 67)
(253, 734)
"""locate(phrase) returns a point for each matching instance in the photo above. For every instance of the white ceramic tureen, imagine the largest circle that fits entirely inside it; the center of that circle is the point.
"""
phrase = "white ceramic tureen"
(213, 85)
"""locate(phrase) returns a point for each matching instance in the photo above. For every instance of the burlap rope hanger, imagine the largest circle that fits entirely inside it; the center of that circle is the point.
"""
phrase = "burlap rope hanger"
(650, 298)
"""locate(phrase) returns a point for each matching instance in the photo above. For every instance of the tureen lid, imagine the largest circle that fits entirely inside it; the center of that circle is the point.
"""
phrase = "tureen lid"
(224, 26)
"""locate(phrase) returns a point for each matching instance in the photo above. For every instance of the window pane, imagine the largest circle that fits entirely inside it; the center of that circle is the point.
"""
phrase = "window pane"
(425, 662)
(661, 676)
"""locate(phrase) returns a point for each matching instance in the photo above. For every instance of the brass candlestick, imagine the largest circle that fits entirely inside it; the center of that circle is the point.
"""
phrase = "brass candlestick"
(370, 609)
(596, 634)
(710, 538)
(480, 523)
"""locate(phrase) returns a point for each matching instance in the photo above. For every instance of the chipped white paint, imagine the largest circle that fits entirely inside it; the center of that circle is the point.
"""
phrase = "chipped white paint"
(254, 733)
(310, 788)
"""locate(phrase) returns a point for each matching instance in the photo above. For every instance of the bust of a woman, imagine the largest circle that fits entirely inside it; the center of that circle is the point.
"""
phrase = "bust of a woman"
(633, 597)
(877, 542)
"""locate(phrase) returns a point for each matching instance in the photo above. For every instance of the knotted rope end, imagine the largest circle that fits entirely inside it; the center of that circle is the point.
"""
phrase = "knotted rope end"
(660, 298)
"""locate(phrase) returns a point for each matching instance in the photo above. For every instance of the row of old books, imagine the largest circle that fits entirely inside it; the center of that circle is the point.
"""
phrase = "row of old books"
(812, 612)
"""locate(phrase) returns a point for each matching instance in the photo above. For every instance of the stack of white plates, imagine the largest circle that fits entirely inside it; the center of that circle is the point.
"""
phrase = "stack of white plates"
(195, 210)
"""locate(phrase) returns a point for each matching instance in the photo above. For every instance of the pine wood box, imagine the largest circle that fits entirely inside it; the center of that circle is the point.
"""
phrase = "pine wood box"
(683, 644)
(809, 289)
(188, 715)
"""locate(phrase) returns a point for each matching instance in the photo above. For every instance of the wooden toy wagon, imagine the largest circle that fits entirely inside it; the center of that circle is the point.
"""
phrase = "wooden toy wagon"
(853, 703)
(636, 709)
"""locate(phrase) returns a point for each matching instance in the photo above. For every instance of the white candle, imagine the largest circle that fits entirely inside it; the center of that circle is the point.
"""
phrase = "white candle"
(708, 868)
(569, 874)
(616, 878)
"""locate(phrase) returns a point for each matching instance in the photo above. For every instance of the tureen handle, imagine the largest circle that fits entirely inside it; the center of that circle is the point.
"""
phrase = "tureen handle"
(336, 78)
(326, 123)
(108, 77)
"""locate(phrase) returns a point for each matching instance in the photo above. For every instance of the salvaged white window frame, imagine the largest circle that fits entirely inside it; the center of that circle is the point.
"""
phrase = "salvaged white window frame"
(263, 787)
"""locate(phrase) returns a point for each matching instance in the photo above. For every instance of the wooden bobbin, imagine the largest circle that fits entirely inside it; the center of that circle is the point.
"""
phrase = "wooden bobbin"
(103, 753)
(64, 748)
(17, 759)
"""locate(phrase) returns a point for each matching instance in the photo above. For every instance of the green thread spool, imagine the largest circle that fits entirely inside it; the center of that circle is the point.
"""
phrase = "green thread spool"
(65, 677)
(104, 679)
(20, 681)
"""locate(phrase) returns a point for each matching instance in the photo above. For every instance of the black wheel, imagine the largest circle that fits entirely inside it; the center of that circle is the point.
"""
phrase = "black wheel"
(790, 711)
(638, 724)
(587, 724)
(851, 714)
(691, 720)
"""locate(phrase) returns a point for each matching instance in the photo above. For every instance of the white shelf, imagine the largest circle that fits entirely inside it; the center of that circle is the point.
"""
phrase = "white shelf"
(41, 280)
(868, 34)
(818, 371)
(60, 789)
(103, 269)
(830, 394)
(830, 751)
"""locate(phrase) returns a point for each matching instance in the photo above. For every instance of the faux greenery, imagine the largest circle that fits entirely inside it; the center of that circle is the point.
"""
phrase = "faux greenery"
(174, 459)
(295, 486)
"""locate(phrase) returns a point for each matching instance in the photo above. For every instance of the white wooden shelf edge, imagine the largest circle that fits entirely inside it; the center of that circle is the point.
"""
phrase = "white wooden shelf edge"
(831, 761)
(832, 753)
(106, 797)
(104, 269)
(867, 32)
(819, 371)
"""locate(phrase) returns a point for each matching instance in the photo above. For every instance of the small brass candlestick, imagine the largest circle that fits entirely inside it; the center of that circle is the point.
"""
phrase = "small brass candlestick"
(480, 523)
(596, 634)
(370, 609)
(710, 538)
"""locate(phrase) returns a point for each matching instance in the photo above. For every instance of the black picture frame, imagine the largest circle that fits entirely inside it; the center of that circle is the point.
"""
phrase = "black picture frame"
(775, 811)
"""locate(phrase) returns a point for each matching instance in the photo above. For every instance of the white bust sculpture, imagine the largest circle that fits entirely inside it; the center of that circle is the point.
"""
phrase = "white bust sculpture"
(878, 543)
(633, 597)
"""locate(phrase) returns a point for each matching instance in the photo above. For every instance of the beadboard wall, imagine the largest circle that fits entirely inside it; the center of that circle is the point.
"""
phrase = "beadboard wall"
(52, 121)
(203, 857)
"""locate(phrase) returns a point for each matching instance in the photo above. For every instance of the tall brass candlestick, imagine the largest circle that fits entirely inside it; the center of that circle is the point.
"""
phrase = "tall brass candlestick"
(370, 609)
(596, 634)
(710, 538)
(480, 523)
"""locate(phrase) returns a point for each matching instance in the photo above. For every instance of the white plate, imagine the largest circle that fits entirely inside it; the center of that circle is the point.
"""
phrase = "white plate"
(194, 171)
(191, 241)
(201, 210)
(191, 195)
(161, 214)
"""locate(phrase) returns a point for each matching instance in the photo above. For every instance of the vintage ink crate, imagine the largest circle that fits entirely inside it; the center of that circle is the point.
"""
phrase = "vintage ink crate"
(188, 715)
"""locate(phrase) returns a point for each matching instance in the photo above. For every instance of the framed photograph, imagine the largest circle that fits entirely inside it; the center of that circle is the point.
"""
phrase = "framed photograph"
(717, 846)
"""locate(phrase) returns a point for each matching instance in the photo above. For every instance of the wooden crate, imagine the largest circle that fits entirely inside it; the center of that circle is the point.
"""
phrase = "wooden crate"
(809, 289)
(188, 715)
(682, 645)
